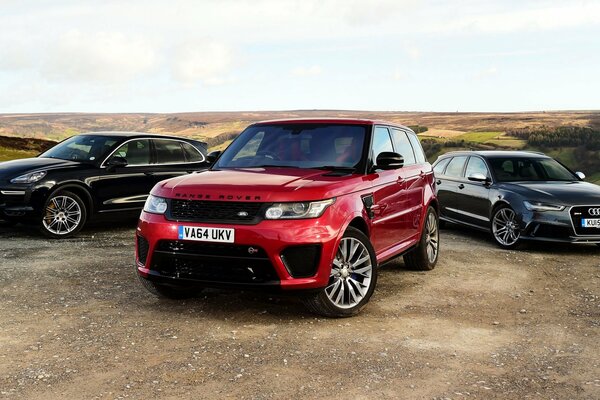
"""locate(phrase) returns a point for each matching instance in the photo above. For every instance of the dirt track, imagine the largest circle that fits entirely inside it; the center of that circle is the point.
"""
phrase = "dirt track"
(486, 323)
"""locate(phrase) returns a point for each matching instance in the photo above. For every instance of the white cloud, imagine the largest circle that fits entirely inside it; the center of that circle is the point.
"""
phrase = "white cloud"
(307, 71)
(202, 61)
(101, 56)
(486, 73)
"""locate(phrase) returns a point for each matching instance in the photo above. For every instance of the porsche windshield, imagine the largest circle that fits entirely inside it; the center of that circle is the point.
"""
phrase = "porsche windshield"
(530, 169)
(84, 148)
(296, 146)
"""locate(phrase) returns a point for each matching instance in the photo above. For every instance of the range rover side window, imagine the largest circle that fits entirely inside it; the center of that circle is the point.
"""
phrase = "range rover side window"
(136, 152)
(455, 167)
(381, 142)
(168, 151)
(403, 146)
(418, 149)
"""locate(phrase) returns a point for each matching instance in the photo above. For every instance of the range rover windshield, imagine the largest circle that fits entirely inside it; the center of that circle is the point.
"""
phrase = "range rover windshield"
(530, 169)
(326, 146)
(84, 148)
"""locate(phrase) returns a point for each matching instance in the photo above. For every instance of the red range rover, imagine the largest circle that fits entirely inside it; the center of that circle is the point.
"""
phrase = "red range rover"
(306, 205)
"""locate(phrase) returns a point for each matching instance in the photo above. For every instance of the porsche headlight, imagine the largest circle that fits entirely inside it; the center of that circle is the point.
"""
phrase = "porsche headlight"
(155, 205)
(302, 210)
(538, 206)
(31, 177)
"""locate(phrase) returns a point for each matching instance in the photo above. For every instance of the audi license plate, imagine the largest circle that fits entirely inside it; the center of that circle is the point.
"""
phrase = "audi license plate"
(590, 223)
(205, 234)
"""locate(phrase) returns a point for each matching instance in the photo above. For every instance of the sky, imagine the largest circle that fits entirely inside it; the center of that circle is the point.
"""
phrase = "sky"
(258, 55)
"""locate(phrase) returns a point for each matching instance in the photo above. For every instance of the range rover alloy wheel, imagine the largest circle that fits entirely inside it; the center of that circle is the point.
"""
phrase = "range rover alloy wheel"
(352, 279)
(505, 227)
(425, 255)
(64, 215)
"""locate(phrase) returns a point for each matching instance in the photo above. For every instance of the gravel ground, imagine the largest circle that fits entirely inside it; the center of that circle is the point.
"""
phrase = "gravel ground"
(486, 323)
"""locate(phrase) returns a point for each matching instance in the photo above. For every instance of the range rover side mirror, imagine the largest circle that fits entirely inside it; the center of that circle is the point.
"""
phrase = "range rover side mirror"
(389, 160)
(212, 156)
(580, 175)
(478, 177)
(116, 162)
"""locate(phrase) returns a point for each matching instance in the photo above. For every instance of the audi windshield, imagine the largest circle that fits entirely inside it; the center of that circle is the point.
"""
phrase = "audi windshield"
(530, 169)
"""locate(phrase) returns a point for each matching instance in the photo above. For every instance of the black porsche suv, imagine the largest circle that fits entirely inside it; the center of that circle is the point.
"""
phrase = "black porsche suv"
(91, 175)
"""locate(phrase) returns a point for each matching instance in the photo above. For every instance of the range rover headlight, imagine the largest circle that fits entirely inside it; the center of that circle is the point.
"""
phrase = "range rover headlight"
(538, 206)
(302, 210)
(155, 205)
(31, 177)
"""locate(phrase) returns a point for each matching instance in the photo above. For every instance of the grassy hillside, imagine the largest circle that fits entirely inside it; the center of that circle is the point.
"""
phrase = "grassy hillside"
(444, 131)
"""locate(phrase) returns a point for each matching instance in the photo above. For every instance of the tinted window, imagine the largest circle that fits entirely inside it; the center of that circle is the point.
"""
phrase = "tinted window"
(136, 152)
(530, 169)
(476, 166)
(168, 151)
(403, 146)
(455, 167)
(419, 154)
(381, 142)
(439, 167)
(296, 145)
(89, 148)
(191, 153)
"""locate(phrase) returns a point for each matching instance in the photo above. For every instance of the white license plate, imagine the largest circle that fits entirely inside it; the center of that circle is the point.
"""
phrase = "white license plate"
(590, 223)
(204, 234)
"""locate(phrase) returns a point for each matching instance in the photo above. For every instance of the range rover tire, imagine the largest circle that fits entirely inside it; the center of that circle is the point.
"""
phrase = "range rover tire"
(505, 228)
(64, 215)
(425, 255)
(168, 291)
(352, 280)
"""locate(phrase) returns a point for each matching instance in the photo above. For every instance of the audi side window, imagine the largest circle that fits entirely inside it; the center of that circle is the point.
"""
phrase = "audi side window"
(403, 146)
(418, 149)
(381, 142)
(476, 166)
(455, 167)
(439, 167)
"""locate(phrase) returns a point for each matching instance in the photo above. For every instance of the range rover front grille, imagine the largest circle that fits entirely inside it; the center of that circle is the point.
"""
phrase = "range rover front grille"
(215, 211)
(580, 213)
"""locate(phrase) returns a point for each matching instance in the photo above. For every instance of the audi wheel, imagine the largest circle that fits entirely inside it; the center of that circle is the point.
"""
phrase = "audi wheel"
(505, 228)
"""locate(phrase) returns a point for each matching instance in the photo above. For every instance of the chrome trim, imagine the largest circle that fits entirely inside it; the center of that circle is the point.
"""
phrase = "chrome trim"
(13, 192)
(479, 217)
(153, 165)
(571, 219)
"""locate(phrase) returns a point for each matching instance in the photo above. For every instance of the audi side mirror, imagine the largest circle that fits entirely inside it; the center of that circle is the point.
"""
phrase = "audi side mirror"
(389, 160)
(212, 156)
(580, 175)
(116, 162)
(478, 177)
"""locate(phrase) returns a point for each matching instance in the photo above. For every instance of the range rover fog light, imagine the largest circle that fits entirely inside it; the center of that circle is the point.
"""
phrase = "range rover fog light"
(300, 210)
(274, 213)
(155, 205)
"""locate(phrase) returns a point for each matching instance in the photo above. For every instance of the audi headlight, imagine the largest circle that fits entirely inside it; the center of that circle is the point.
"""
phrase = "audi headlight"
(155, 205)
(31, 177)
(309, 209)
(537, 206)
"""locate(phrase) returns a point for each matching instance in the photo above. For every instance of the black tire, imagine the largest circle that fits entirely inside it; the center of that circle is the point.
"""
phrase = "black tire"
(505, 228)
(64, 215)
(425, 255)
(352, 272)
(172, 292)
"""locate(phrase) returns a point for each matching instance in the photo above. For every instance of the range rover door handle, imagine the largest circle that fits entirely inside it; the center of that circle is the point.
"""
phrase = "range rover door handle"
(438, 182)
(461, 186)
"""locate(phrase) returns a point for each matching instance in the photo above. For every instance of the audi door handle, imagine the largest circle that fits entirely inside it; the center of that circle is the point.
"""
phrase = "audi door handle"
(461, 186)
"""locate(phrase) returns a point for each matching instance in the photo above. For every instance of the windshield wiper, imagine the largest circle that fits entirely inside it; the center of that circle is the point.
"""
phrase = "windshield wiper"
(271, 166)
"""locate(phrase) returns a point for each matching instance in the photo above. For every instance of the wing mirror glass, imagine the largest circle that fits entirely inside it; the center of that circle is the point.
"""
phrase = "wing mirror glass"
(389, 160)
(580, 175)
